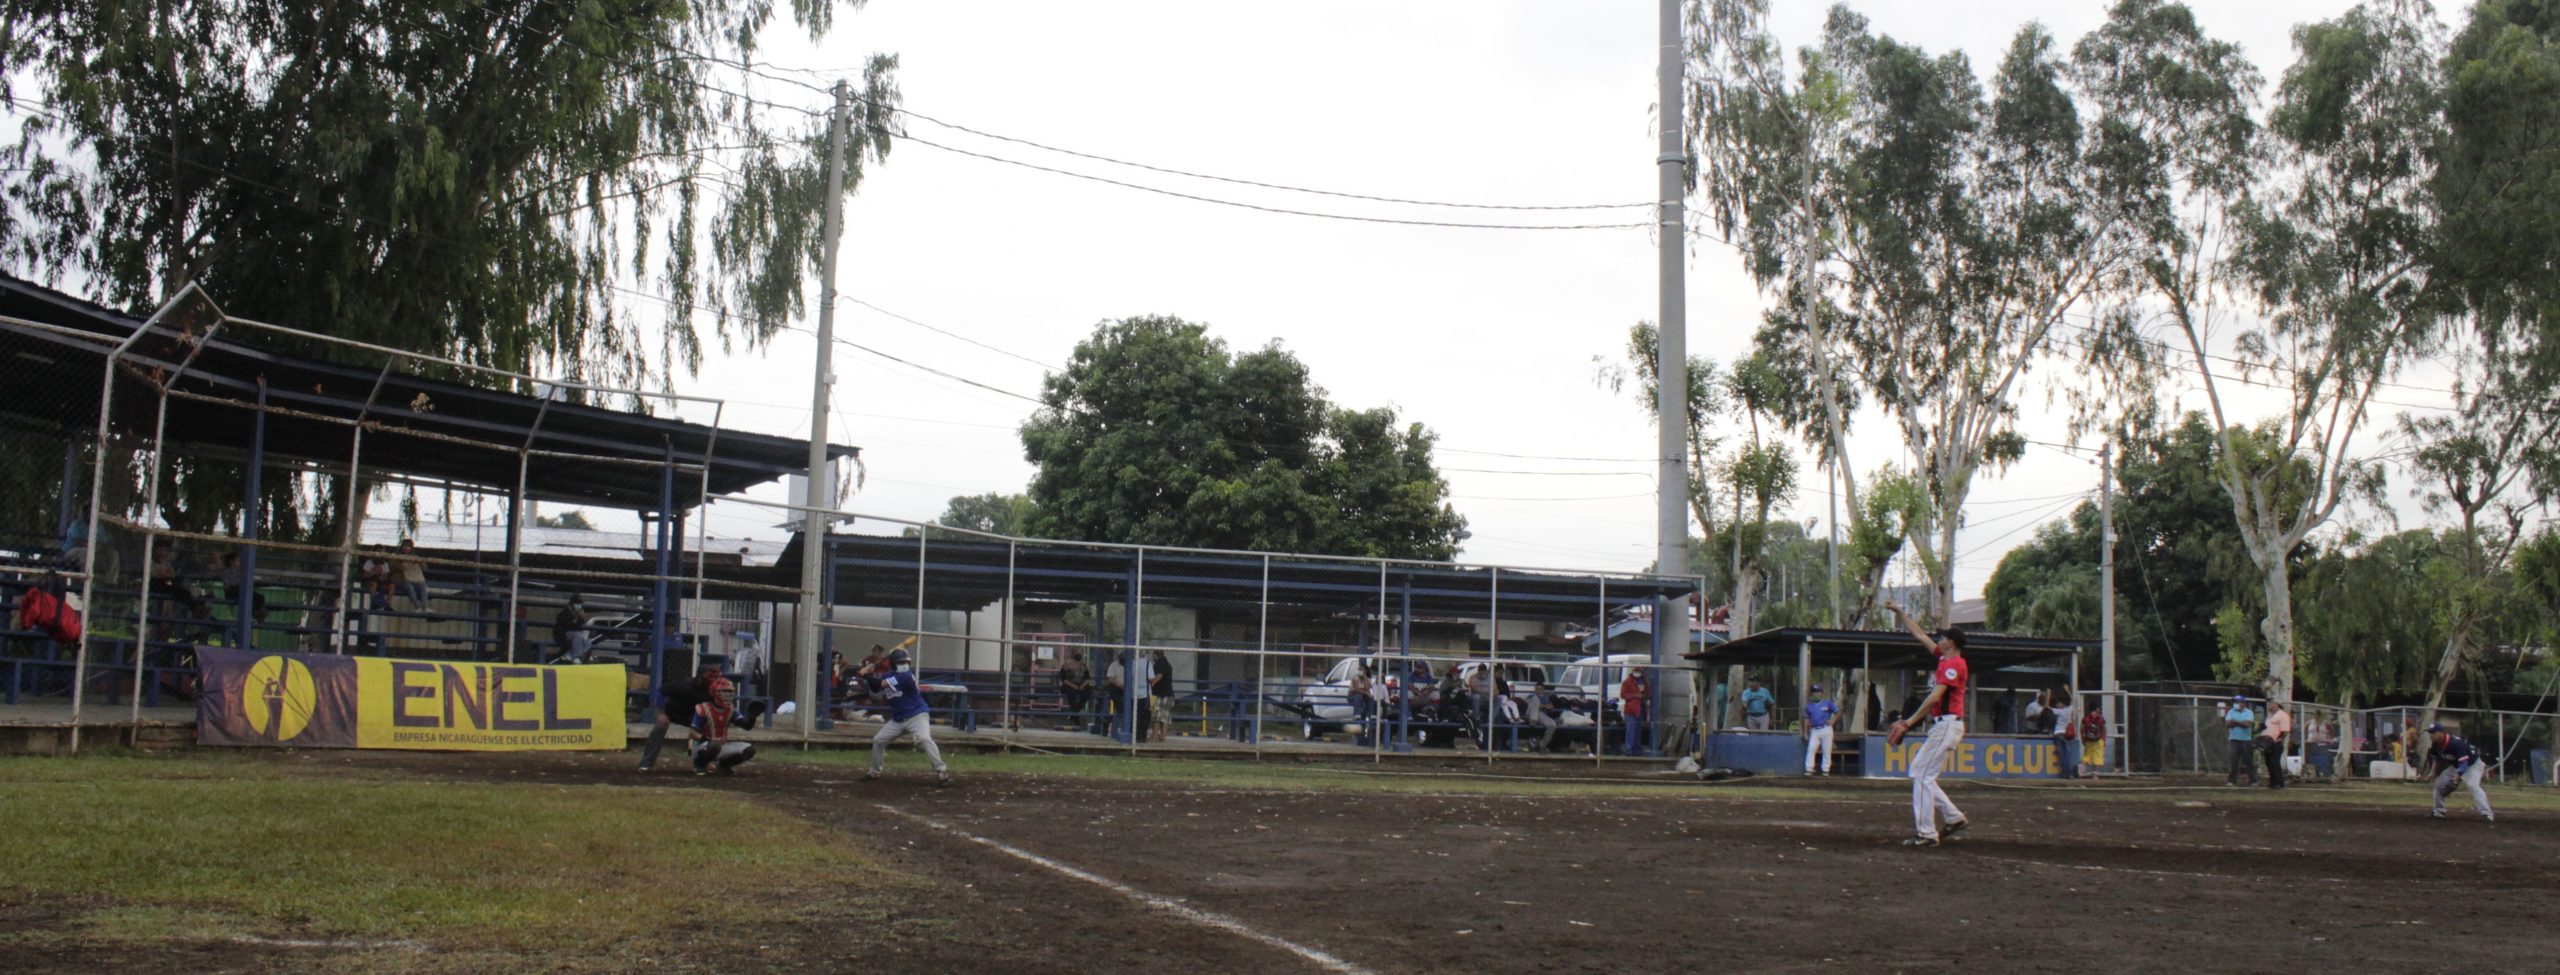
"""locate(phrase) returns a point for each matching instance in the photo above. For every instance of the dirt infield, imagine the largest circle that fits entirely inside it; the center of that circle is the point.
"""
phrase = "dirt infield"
(1251, 880)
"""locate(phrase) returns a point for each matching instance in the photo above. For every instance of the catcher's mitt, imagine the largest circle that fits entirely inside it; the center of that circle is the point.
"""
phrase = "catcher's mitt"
(1894, 736)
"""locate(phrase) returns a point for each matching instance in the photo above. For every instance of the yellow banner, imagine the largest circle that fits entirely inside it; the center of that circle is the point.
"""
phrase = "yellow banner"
(487, 707)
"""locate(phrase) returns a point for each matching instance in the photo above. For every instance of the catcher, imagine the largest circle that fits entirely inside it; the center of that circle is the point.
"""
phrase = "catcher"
(710, 740)
(1944, 711)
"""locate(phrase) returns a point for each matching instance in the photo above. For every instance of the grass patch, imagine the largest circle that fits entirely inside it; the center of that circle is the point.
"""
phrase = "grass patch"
(217, 846)
(1296, 777)
(1310, 777)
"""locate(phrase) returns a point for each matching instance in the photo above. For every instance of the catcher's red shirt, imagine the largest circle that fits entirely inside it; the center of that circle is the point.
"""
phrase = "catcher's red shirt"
(1952, 674)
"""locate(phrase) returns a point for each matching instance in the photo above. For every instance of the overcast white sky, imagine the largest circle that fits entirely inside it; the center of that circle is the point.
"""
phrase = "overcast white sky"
(1486, 336)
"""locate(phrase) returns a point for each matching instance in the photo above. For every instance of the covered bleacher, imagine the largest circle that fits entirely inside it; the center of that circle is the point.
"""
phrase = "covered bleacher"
(1896, 667)
(237, 417)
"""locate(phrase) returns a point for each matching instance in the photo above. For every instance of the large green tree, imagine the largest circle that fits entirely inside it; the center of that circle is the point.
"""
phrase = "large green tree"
(2497, 178)
(1157, 433)
(483, 179)
(1949, 231)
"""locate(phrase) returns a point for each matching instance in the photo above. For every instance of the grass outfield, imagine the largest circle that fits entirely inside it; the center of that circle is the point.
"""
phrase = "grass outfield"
(1578, 780)
(216, 847)
(215, 860)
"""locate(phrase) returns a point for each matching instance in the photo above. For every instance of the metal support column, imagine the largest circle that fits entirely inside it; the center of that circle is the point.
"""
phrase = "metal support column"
(1404, 648)
(250, 519)
(1261, 656)
(1125, 730)
(658, 588)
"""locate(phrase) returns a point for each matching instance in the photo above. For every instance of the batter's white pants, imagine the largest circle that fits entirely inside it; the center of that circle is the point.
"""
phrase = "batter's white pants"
(1818, 741)
(1928, 802)
(2468, 778)
(920, 726)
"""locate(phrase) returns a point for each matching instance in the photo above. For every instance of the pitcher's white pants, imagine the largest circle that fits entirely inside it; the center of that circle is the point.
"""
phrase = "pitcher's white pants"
(1928, 802)
(1819, 740)
(920, 726)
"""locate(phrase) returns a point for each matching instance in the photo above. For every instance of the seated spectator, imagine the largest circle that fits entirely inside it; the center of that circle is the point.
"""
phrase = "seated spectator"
(2322, 749)
(1547, 713)
(410, 576)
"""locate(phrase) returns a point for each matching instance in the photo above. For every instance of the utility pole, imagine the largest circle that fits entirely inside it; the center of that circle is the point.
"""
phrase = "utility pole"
(1671, 359)
(2107, 578)
(821, 491)
(1671, 350)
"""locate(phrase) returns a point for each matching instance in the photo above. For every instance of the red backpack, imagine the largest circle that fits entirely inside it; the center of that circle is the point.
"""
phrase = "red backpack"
(41, 610)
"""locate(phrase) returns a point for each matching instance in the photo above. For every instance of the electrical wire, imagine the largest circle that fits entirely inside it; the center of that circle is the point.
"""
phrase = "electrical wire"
(1398, 221)
(920, 116)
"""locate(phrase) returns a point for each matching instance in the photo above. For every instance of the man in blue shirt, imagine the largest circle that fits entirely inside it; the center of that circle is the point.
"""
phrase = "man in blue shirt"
(2240, 727)
(907, 716)
(2456, 763)
(1817, 730)
(1756, 705)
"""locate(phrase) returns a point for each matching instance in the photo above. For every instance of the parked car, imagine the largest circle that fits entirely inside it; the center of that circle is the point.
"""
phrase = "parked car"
(1324, 706)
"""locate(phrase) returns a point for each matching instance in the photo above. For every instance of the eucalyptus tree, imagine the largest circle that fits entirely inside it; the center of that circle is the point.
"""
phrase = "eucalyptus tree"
(2480, 463)
(1937, 242)
(1762, 475)
(2328, 248)
(1706, 406)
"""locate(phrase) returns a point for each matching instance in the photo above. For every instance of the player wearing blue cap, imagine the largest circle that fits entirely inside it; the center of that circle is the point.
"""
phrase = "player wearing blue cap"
(907, 716)
(1818, 715)
(2455, 763)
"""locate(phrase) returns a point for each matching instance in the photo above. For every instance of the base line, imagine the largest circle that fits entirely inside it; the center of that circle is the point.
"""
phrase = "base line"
(1168, 905)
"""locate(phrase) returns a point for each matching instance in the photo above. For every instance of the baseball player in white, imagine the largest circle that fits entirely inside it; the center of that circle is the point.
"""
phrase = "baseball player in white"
(1944, 711)
(1819, 717)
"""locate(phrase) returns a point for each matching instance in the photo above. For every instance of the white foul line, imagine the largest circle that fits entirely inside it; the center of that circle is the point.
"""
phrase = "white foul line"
(1168, 905)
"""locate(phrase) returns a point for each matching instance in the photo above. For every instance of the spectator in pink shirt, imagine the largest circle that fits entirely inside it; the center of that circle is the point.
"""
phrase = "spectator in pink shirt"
(2271, 740)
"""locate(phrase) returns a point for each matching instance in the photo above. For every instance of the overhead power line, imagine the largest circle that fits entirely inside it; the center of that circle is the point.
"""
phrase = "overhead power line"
(1194, 197)
(1169, 171)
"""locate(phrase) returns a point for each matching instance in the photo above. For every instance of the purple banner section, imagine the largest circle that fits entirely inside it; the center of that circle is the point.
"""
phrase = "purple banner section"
(276, 700)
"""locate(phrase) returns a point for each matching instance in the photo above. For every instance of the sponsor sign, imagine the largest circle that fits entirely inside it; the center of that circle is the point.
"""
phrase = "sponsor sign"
(302, 700)
(1972, 758)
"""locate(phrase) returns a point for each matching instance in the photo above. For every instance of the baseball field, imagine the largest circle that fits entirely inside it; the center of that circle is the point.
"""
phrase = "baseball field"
(387, 862)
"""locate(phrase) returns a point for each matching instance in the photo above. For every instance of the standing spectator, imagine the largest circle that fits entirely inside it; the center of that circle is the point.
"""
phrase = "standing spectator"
(410, 575)
(1756, 706)
(1363, 701)
(2455, 764)
(1818, 714)
(2093, 741)
(1075, 688)
(2064, 731)
(1160, 694)
(1127, 671)
(2004, 713)
(2036, 722)
(1633, 693)
(2271, 741)
(746, 657)
(2237, 720)
(569, 631)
